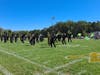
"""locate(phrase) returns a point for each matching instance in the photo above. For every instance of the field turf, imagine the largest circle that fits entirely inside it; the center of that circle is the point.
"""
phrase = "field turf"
(69, 59)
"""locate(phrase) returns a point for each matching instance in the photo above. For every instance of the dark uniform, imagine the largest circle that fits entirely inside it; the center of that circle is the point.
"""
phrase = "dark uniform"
(41, 38)
(16, 37)
(48, 36)
(64, 38)
(59, 37)
(1, 37)
(32, 40)
(52, 40)
(69, 36)
(5, 37)
(37, 38)
(29, 37)
(11, 38)
(22, 38)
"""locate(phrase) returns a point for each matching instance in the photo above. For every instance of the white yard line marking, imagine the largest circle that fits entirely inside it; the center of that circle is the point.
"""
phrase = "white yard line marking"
(5, 71)
(66, 65)
(77, 45)
(81, 72)
(32, 62)
(46, 62)
(20, 57)
(70, 63)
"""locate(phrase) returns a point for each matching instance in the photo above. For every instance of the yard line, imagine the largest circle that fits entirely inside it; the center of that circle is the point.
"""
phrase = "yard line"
(5, 71)
(66, 65)
(81, 72)
(43, 66)
(77, 45)
(32, 62)
(20, 57)
(70, 63)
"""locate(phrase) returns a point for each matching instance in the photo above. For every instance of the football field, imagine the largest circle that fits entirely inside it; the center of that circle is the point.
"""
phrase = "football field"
(69, 59)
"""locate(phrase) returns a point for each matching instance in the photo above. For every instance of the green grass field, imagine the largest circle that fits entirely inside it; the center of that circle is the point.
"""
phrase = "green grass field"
(23, 59)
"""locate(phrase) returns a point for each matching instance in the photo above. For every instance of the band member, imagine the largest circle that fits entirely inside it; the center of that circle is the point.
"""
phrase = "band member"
(69, 36)
(52, 40)
(64, 38)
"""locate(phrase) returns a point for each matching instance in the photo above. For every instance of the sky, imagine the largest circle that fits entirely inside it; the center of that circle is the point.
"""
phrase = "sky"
(37, 14)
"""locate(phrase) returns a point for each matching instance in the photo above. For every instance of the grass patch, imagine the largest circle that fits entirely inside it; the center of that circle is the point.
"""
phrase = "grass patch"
(42, 54)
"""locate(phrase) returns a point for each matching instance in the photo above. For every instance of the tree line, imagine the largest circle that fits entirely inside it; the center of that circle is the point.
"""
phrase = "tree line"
(82, 27)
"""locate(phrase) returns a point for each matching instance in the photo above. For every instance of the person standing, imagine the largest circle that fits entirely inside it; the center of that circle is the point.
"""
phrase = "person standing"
(16, 37)
(22, 38)
(32, 40)
(59, 36)
(41, 38)
(48, 36)
(52, 40)
(64, 38)
(11, 38)
(5, 37)
(1, 37)
(69, 36)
